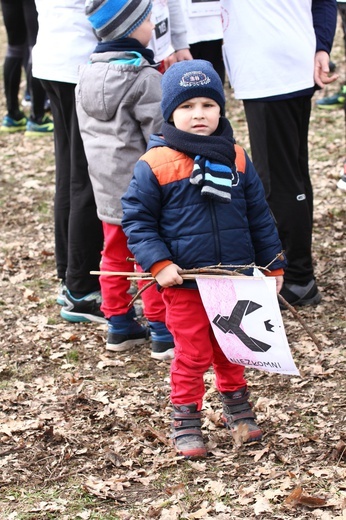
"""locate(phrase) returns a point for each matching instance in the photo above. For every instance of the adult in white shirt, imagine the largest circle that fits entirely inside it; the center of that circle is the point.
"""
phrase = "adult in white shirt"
(65, 40)
(277, 54)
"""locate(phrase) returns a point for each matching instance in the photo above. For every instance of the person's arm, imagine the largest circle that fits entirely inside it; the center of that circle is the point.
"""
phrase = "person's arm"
(178, 35)
(178, 28)
(324, 17)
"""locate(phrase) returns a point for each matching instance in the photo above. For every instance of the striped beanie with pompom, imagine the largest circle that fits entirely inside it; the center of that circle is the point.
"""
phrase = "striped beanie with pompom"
(115, 19)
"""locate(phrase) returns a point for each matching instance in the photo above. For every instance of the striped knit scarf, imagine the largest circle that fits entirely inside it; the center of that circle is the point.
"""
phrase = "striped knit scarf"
(214, 158)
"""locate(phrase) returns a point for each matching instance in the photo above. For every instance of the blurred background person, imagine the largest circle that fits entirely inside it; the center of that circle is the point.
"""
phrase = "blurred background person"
(20, 20)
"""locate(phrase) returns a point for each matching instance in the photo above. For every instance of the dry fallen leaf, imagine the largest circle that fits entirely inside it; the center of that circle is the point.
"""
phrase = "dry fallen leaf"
(339, 452)
(262, 505)
(298, 498)
(240, 434)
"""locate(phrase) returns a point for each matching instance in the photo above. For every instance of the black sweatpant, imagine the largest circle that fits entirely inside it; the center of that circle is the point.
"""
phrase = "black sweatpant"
(78, 230)
(278, 133)
(210, 51)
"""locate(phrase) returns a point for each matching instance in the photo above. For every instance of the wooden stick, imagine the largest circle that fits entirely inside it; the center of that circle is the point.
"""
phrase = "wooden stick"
(122, 273)
(134, 275)
(301, 321)
(146, 286)
(194, 276)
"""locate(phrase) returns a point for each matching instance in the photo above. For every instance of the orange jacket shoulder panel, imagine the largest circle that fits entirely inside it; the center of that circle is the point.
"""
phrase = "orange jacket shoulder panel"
(168, 165)
(240, 159)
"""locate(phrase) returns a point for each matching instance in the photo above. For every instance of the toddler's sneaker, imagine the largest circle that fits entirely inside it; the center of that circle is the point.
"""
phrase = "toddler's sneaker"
(84, 309)
(300, 295)
(10, 125)
(237, 410)
(41, 127)
(162, 344)
(335, 101)
(124, 332)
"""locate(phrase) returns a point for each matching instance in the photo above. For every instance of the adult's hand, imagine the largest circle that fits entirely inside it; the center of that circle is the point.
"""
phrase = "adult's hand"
(181, 55)
(322, 75)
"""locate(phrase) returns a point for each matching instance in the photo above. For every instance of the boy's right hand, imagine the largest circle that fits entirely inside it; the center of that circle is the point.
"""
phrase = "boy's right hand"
(169, 276)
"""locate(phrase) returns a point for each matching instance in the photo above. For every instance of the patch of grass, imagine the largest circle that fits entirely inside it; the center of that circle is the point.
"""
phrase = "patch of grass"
(52, 320)
(4, 383)
(72, 356)
(44, 208)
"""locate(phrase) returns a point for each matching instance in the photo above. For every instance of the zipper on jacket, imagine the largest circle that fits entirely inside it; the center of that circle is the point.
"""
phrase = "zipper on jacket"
(215, 231)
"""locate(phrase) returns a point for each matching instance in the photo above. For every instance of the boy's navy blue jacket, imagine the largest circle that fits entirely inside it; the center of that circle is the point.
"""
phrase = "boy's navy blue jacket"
(167, 218)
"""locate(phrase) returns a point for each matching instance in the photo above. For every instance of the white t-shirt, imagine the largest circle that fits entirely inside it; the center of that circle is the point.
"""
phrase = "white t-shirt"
(160, 42)
(269, 46)
(170, 32)
(203, 20)
(65, 40)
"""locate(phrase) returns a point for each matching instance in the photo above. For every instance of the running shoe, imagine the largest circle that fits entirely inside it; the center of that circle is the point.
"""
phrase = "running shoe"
(332, 102)
(84, 309)
(44, 126)
(300, 295)
(10, 125)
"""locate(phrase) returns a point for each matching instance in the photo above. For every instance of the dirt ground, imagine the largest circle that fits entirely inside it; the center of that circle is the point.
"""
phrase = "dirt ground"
(85, 434)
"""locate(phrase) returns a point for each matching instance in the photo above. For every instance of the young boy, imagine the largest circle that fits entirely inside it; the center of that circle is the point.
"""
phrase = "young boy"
(118, 106)
(196, 200)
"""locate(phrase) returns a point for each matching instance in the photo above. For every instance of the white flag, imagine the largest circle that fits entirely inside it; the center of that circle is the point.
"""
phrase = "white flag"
(245, 316)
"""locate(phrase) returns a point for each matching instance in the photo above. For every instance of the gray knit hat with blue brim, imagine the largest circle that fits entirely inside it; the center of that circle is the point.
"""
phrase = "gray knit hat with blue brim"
(189, 79)
(115, 19)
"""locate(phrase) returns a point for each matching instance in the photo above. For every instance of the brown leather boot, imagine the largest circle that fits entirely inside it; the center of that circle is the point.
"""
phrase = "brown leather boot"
(186, 431)
(237, 411)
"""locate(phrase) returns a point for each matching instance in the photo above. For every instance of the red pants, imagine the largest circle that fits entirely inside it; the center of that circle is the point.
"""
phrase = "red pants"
(196, 349)
(114, 289)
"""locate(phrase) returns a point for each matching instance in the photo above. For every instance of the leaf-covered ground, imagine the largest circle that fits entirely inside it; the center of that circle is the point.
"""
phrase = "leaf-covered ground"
(85, 433)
